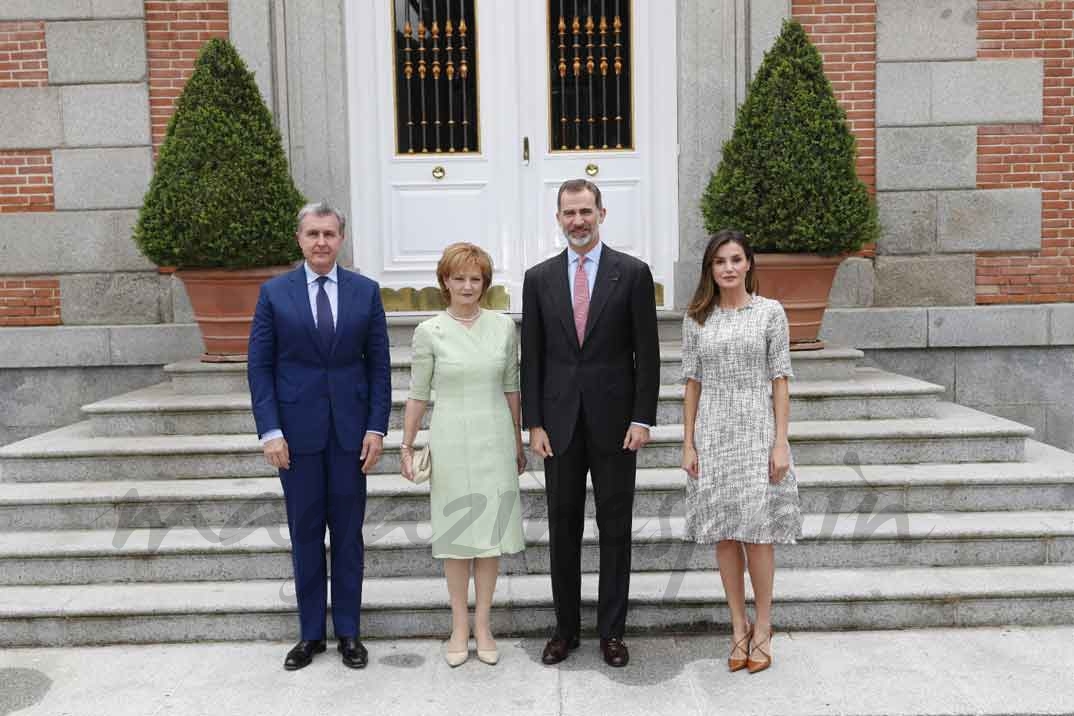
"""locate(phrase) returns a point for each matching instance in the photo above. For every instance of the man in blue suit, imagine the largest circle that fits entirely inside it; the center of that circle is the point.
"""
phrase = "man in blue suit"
(320, 383)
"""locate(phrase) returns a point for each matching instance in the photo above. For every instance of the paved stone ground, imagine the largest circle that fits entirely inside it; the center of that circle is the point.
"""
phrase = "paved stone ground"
(953, 671)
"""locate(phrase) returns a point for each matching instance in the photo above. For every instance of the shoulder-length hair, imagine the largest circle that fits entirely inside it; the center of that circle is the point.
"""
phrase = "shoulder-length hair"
(459, 256)
(707, 295)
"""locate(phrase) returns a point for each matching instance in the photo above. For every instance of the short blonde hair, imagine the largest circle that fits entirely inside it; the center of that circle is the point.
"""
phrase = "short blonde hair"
(461, 255)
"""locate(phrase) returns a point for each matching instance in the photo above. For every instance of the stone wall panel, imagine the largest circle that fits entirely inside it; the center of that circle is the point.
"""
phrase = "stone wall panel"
(96, 51)
(925, 280)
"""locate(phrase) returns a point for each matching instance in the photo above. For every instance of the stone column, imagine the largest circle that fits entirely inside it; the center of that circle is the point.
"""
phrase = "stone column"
(721, 43)
(297, 50)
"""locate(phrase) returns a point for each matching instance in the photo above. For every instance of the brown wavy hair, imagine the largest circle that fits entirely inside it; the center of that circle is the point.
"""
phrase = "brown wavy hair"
(707, 295)
(461, 255)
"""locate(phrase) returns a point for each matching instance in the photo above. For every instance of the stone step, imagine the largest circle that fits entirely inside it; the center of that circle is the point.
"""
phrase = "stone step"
(158, 410)
(402, 549)
(805, 599)
(955, 434)
(1044, 482)
(192, 377)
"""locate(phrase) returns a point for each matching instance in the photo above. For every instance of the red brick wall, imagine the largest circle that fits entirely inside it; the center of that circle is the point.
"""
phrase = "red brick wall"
(1040, 156)
(175, 30)
(23, 60)
(25, 176)
(29, 301)
(845, 33)
(26, 180)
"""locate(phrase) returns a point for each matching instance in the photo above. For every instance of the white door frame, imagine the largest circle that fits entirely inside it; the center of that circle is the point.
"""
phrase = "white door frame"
(520, 221)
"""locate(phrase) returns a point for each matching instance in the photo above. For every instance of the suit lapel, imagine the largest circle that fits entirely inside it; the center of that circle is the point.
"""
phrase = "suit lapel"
(342, 302)
(301, 297)
(607, 280)
(561, 292)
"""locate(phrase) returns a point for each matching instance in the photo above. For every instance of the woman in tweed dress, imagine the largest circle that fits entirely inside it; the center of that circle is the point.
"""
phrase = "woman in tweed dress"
(742, 494)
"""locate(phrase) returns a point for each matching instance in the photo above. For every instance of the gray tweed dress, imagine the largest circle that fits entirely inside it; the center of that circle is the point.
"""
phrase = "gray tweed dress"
(735, 356)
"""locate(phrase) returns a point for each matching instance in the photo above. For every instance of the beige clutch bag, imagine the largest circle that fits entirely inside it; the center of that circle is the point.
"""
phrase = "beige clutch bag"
(423, 465)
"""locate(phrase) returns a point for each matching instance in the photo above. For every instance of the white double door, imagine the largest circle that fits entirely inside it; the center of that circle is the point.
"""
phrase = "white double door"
(408, 206)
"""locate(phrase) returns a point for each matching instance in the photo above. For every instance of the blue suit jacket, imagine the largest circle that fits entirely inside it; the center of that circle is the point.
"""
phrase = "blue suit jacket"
(305, 390)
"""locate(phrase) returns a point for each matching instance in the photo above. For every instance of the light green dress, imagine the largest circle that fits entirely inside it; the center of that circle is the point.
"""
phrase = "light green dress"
(474, 487)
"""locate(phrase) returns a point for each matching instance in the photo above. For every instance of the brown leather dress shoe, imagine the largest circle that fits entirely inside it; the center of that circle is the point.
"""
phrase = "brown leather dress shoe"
(556, 650)
(615, 652)
(354, 654)
(301, 654)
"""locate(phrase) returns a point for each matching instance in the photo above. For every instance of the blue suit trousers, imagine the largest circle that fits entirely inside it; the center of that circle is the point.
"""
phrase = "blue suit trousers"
(322, 489)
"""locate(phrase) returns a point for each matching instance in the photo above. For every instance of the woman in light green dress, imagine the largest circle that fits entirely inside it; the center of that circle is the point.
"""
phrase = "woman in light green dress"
(468, 357)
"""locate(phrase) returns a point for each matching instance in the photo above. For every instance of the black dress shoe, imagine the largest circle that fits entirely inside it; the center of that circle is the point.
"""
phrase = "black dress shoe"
(614, 651)
(301, 654)
(557, 649)
(354, 654)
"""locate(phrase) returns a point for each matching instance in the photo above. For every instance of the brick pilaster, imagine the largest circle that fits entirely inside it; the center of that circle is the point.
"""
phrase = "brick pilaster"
(175, 31)
(1040, 156)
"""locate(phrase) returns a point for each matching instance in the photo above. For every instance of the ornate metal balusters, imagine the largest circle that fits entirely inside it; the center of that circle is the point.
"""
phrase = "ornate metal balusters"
(590, 66)
(436, 77)
(561, 28)
(617, 27)
(604, 75)
(435, 56)
(422, 74)
(576, 67)
(449, 34)
(464, 74)
(408, 74)
(594, 86)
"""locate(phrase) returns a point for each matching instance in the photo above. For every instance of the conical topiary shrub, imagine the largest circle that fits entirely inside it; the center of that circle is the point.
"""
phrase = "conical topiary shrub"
(787, 177)
(222, 195)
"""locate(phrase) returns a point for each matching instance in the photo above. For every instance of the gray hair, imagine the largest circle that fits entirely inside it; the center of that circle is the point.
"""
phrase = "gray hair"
(322, 208)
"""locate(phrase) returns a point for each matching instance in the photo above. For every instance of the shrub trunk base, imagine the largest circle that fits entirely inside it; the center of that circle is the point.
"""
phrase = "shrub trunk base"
(801, 282)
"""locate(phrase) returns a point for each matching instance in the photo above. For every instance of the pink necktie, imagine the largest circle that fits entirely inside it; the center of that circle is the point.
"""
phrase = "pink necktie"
(581, 299)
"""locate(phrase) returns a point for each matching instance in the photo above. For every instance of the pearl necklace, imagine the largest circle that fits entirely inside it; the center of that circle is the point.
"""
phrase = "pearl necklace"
(460, 319)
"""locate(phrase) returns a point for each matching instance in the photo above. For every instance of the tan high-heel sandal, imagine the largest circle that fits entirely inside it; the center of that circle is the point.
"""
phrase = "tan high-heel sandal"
(743, 644)
(755, 665)
(455, 658)
(487, 656)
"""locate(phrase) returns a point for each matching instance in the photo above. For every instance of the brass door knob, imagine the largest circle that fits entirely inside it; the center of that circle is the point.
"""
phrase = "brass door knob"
(438, 172)
(592, 169)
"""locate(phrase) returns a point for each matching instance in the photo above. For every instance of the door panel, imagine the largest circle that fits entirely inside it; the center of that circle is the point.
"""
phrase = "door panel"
(638, 180)
(411, 95)
(418, 213)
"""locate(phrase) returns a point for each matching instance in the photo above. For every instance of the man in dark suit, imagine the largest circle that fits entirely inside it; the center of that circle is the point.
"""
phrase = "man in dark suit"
(590, 380)
(320, 383)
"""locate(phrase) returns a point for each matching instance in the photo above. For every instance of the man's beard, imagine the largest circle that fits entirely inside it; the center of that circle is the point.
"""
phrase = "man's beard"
(577, 241)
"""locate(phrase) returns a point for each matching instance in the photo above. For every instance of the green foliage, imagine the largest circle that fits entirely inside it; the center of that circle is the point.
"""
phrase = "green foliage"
(222, 195)
(787, 176)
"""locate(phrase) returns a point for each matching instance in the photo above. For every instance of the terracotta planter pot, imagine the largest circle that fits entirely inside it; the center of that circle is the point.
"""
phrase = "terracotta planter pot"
(801, 282)
(223, 301)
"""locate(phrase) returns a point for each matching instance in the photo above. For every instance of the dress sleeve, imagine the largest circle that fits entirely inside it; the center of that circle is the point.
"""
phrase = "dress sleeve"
(510, 370)
(778, 338)
(691, 356)
(422, 364)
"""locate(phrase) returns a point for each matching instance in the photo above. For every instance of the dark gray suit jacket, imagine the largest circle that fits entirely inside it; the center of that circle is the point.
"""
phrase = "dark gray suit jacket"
(614, 374)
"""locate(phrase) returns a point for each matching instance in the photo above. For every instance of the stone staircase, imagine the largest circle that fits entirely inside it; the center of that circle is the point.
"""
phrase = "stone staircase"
(156, 519)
